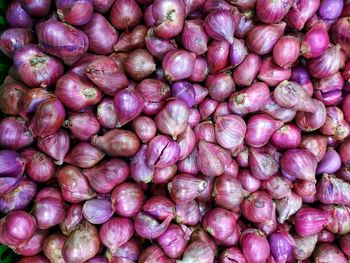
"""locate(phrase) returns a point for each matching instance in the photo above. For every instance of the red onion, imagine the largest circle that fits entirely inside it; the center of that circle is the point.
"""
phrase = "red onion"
(139, 169)
(330, 163)
(74, 216)
(304, 246)
(339, 218)
(328, 252)
(55, 145)
(290, 94)
(106, 114)
(169, 16)
(260, 128)
(245, 73)
(36, 7)
(262, 38)
(335, 125)
(207, 107)
(159, 207)
(250, 99)
(193, 37)
(238, 52)
(52, 247)
(97, 211)
(282, 245)
(286, 137)
(184, 91)
(198, 251)
(84, 155)
(32, 99)
(254, 245)
(277, 186)
(301, 76)
(62, 41)
(220, 223)
(19, 197)
(212, 159)
(188, 213)
(300, 12)
(157, 46)
(13, 39)
(316, 144)
(229, 130)
(257, 207)
(14, 133)
(48, 118)
(315, 41)
(189, 165)
(172, 119)
(127, 199)
(33, 246)
(102, 6)
(17, 16)
(147, 226)
(337, 194)
(49, 192)
(184, 188)
(18, 227)
(310, 221)
(11, 164)
(82, 125)
(145, 128)
(107, 174)
(178, 64)
(330, 10)
(153, 254)
(187, 142)
(132, 39)
(105, 74)
(272, 74)
(308, 121)
(11, 95)
(162, 152)
(262, 165)
(153, 90)
(286, 51)
(220, 86)
(217, 55)
(205, 131)
(117, 142)
(139, 64)
(227, 192)
(288, 206)
(48, 212)
(125, 14)
(232, 254)
(300, 164)
(173, 241)
(82, 244)
(344, 244)
(339, 33)
(77, 13)
(39, 167)
(220, 25)
(248, 181)
(74, 186)
(272, 12)
(77, 93)
(327, 64)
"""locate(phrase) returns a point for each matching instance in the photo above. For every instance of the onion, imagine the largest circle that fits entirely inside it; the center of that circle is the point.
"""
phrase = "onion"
(76, 13)
(97, 211)
(13, 39)
(17, 16)
(11, 94)
(63, 41)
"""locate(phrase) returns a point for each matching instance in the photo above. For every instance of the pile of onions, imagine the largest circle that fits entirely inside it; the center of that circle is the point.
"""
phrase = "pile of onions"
(163, 131)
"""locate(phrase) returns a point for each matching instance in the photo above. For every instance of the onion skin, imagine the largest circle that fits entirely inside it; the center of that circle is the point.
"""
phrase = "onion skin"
(36, 7)
(220, 25)
(310, 221)
(300, 12)
(131, 40)
(315, 41)
(325, 252)
(253, 240)
(17, 16)
(272, 12)
(286, 51)
(52, 247)
(74, 216)
(178, 64)
(245, 73)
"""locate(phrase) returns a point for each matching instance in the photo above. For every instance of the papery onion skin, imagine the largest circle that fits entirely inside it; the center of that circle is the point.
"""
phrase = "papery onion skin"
(11, 94)
(52, 247)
